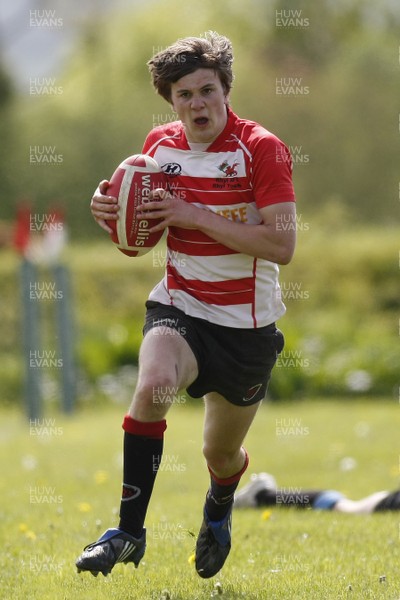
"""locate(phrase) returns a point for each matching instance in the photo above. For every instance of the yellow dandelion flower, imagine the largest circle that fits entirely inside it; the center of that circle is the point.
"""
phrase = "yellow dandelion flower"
(101, 477)
(191, 558)
(266, 515)
(22, 527)
(84, 507)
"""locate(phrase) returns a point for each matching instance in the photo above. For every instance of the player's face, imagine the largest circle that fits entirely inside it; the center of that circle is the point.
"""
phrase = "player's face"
(200, 102)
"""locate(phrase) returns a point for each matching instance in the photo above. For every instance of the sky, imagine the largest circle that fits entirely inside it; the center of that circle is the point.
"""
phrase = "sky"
(36, 38)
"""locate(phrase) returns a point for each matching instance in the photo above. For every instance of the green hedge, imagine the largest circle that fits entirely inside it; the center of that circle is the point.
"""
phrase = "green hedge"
(341, 325)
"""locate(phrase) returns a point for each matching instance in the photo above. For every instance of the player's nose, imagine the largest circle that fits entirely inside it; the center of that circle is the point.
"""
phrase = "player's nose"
(197, 102)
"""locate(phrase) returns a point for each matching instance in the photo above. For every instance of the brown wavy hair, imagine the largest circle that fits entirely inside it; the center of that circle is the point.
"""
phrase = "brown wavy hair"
(186, 55)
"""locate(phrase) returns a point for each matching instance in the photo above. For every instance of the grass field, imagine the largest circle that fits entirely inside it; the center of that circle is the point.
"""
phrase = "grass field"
(60, 489)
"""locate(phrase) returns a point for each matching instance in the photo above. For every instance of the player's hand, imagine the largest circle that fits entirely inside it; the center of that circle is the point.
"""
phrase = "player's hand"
(104, 208)
(171, 209)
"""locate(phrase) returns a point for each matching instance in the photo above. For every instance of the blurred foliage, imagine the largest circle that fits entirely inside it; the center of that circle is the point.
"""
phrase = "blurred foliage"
(341, 125)
(341, 289)
(341, 328)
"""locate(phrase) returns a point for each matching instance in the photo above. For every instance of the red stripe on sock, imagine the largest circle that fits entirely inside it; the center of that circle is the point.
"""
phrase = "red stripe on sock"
(232, 478)
(153, 430)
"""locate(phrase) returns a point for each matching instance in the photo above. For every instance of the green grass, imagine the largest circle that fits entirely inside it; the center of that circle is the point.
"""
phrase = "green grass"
(60, 489)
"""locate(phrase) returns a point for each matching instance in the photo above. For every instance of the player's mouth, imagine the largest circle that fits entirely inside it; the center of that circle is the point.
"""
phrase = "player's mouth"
(201, 121)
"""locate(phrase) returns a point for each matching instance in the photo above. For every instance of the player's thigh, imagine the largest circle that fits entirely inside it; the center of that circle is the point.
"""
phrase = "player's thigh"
(165, 356)
(225, 424)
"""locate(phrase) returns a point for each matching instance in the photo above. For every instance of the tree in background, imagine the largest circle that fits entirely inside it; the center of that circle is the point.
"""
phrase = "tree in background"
(322, 75)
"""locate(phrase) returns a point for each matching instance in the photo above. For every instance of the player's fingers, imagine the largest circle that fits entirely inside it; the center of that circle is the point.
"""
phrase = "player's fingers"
(101, 210)
(104, 225)
(159, 193)
(104, 204)
(105, 215)
(100, 198)
(101, 207)
(103, 186)
(149, 207)
(157, 205)
(159, 227)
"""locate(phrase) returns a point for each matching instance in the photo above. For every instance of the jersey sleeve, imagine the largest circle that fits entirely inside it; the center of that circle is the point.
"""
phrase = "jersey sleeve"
(157, 134)
(150, 140)
(271, 171)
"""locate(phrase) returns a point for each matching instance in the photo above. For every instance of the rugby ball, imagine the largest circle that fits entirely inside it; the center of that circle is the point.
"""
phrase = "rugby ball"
(131, 184)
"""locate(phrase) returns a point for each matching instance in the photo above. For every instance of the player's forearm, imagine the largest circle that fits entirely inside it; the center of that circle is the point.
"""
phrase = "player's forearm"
(261, 241)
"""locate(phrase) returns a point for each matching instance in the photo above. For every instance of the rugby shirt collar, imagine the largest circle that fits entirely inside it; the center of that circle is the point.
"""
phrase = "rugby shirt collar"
(221, 138)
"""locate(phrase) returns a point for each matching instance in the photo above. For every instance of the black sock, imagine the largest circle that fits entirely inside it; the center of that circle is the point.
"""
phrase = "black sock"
(391, 502)
(303, 499)
(219, 498)
(296, 497)
(266, 498)
(143, 446)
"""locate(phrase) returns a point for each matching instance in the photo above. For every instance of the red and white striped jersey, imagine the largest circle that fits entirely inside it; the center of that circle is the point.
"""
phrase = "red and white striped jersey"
(244, 169)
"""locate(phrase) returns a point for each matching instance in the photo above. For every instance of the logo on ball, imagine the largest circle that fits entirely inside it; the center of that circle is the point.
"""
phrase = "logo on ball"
(131, 184)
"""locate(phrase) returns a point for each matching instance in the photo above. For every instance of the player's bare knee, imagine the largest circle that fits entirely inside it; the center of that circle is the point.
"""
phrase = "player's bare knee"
(159, 386)
(154, 396)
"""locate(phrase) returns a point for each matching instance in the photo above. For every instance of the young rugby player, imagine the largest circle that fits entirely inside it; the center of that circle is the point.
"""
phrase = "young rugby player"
(210, 323)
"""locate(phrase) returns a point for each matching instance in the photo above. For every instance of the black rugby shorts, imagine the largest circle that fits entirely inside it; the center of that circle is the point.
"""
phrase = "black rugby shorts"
(236, 363)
